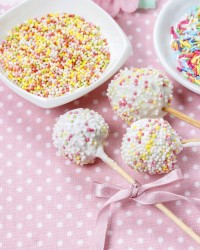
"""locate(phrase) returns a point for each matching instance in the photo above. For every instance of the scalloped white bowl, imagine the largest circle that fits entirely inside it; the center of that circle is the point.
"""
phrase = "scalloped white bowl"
(169, 16)
(119, 45)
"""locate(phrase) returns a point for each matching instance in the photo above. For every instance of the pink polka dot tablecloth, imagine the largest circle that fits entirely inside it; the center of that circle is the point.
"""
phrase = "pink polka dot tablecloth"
(48, 203)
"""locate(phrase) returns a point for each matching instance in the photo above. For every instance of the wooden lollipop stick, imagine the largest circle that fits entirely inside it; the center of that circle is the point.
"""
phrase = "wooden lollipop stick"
(161, 207)
(190, 140)
(182, 116)
(191, 143)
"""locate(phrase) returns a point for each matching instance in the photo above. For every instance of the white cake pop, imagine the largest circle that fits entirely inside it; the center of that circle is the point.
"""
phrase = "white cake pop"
(151, 145)
(78, 134)
(140, 93)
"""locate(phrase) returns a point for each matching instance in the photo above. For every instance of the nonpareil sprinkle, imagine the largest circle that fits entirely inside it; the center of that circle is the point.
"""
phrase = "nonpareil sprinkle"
(186, 43)
(54, 55)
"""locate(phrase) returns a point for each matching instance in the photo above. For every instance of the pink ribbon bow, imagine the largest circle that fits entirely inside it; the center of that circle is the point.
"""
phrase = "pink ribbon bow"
(142, 194)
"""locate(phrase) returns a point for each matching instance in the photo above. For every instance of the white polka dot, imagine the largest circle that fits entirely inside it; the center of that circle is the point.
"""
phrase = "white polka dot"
(39, 225)
(69, 215)
(59, 206)
(39, 243)
(29, 235)
(160, 240)
(195, 166)
(180, 239)
(49, 216)
(148, 37)
(190, 98)
(129, 22)
(140, 240)
(9, 235)
(115, 117)
(129, 231)
(186, 176)
(29, 216)
(49, 234)
(188, 211)
(184, 158)
(119, 222)
(80, 242)
(60, 243)
(120, 241)
(78, 170)
(19, 244)
(78, 188)
(139, 222)
(20, 104)
(69, 233)
(19, 226)
(39, 207)
(104, 110)
(116, 151)
(95, 101)
(138, 29)
(148, 212)
(97, 169)
(159, 221)
(89, 233)
(187, 193)
(79, 206)
(197, 184)
(77, 102)
(149, 230)
(107, 178)
(169, 230)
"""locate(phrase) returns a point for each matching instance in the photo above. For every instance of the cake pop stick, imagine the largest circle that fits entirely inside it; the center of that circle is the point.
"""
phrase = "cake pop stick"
(143, 93)
(80, 134)
(151, 145)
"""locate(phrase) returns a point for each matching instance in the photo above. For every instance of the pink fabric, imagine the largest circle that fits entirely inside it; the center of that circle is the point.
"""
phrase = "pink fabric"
(48, 203)
(143, 194)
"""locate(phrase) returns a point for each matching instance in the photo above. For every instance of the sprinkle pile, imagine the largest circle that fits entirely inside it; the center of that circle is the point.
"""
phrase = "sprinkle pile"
(78, 134)
(151, 145)
(139, 93)
(186, 43)
(54, 55)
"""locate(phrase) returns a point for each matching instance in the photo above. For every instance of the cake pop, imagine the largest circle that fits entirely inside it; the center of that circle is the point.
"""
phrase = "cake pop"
(152, 145)
(79, 135)
(143, 93)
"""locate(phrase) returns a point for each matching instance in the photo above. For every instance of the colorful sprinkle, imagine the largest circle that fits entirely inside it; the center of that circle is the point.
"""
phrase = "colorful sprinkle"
(139, 93)
(151, 145)
(54, 55)
(186, 42)
(78, 134)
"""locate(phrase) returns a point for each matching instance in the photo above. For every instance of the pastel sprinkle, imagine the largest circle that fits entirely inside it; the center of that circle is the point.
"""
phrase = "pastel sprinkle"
(186, 43)
(138, 93)
(78, 134)
(54, 55)
(151, 145)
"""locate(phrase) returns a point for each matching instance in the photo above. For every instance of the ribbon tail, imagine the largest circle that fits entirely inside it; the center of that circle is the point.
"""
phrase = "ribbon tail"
(150, 198)
(103, 216)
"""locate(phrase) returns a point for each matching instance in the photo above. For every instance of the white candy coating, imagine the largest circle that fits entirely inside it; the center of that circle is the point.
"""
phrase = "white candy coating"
(78, 134)
(151, 145)
(139, 93)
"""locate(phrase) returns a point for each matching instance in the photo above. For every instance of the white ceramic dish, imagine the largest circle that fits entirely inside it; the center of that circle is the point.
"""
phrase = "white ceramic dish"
(120, 47)
(169, 16)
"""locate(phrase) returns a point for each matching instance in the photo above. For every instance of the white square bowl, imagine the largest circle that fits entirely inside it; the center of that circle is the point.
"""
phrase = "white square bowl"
(119, 45)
